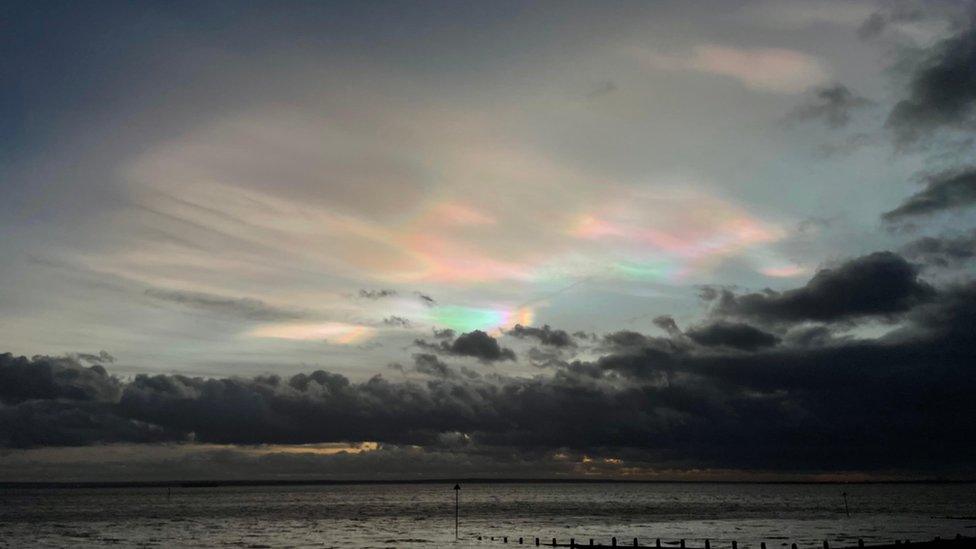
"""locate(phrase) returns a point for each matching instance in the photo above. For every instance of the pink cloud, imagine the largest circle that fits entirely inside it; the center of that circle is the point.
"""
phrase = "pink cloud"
(766, 69)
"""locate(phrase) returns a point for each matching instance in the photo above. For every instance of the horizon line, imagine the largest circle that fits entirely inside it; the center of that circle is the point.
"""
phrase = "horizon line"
(443, 480)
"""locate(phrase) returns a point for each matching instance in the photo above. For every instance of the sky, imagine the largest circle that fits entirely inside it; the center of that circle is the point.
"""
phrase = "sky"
(710, 240)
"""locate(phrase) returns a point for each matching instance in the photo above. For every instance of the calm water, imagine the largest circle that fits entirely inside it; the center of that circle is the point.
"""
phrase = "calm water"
(423, 515)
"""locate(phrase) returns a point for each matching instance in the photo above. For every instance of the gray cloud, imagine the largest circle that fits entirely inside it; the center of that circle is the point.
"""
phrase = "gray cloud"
(425, 299)
(667, 324)
(945, 191)
(377, 294)
(476, 344)
(545, 335)
(103, 357)
(941, 91)
(243, 307)
(833, 105)
(891, 13)
(942, 251)
(397, 321)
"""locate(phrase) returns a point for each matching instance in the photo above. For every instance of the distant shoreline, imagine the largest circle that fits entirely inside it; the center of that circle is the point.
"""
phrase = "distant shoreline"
(336, 482)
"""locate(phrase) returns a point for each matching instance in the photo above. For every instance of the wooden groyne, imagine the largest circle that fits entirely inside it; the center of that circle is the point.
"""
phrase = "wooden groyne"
(959, 542)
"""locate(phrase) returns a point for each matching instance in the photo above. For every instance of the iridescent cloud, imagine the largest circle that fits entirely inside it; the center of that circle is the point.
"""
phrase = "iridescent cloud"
(332, 332)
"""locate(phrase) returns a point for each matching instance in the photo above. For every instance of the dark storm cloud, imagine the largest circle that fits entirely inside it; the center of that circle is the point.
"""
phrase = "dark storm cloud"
(244, 307)
(545, 335)
(624, 339)
(943, 192)
(377, 294)
(941, 90)
(54, 378)
(833, 105)
(900, 401)
(732, 334)
(52, 401)
(809, 402)
(942, 251)
(880, 284)
(476, 344)
(482, 346)
(39, 423)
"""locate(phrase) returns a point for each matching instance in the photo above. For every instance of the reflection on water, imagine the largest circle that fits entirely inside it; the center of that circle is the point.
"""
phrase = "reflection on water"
(404, 515)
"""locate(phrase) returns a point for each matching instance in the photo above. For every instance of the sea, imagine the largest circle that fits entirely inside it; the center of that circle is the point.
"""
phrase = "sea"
(423, 515)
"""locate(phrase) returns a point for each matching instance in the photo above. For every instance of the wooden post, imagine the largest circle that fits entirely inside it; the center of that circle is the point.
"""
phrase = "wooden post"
(658, 544)
(635, 543)
(572, 543)
(707, 545)
(613, 542)
(735, 544)
(683, 544)
(553, 542)
(591, 542)
(536, 542)
(762, 545)
(457, 509)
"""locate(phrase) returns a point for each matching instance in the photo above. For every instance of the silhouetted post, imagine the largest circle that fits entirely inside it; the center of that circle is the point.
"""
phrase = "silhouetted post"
(553, 542)
(635, 543)
(613, 542)
(825, 545)
(572, 542)
(682, 544)
(793, 546)
(505, 539)
(735, 544)
(846, 508)
(860, 542)
(762, 545)
(658, 544)
(591, 542)
(707, 545)
(536, 542)
(457, 510)
(520, 541)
